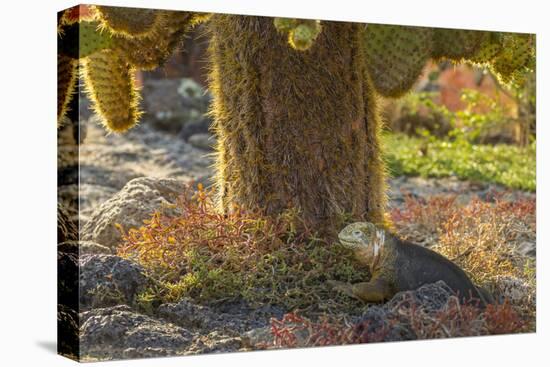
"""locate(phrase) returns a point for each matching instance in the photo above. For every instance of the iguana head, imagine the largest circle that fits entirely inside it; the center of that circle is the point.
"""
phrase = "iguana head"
(365, 239)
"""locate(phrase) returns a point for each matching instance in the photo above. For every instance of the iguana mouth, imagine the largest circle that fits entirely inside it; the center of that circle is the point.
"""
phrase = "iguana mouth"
(348, 244)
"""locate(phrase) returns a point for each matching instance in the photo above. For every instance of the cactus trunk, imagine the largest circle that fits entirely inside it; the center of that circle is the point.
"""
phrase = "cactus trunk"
(295, 129)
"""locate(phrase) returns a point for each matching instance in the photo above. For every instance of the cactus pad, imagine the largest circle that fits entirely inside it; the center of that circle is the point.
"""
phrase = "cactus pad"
(518, 55)
(152, 50)
(91, 40)
(131, 22)
(66, 81)
(82, 39)
(456, 44)
(489, 49)
(285, 25)
(303, 36)
(109, 81)
(395, 56)
(301, 33)
(111, 47)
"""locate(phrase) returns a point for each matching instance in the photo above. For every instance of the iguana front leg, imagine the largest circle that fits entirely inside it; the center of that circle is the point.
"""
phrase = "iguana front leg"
(376, 290)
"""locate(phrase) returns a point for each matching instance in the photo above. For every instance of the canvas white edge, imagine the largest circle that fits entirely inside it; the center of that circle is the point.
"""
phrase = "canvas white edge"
(28, 184)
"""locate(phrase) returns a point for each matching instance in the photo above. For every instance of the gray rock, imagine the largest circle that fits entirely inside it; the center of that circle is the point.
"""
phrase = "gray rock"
(67, 281)
(171, 103)
(107, 280)
(528, 248)
(224, 326)
(163, 104)
(215, 342)
(263, 338)
(201, 126)
(202, 141)
(85, 197)
(258, 337)
(147, 352)
(379, 324)
(386, 322)
(92, 248)
(188, 314)
(67, 228)
(67, 331)
(93, 174)
(108, 162)
(233, 318)
(168, 121)
(129, 207)
(430, 297)
(117, 332)
(514, 289)
(83, 248)
(193, 94)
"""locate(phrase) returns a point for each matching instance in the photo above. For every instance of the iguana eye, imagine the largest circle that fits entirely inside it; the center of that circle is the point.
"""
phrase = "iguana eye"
(356, 233)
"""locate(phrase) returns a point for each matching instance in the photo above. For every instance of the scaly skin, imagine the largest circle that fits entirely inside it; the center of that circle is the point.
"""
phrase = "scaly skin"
(398, 266)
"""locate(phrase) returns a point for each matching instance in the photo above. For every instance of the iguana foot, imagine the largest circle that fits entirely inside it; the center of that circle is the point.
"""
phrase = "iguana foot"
(376, 290)
(342, 287)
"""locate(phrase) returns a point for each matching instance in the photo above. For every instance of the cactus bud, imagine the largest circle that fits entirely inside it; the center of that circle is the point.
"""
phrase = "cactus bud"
(285, 25)
(302, 37)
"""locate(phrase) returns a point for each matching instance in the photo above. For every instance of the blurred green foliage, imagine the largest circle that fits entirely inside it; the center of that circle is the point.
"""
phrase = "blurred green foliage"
(454, 143)
(481, 114)
(509, 165)
(469, 125)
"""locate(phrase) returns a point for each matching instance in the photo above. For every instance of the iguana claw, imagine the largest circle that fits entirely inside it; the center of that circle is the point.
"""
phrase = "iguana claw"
(341, 287)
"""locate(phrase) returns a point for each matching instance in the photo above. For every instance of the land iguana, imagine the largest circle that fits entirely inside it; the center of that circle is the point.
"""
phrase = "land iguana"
(398, 265)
